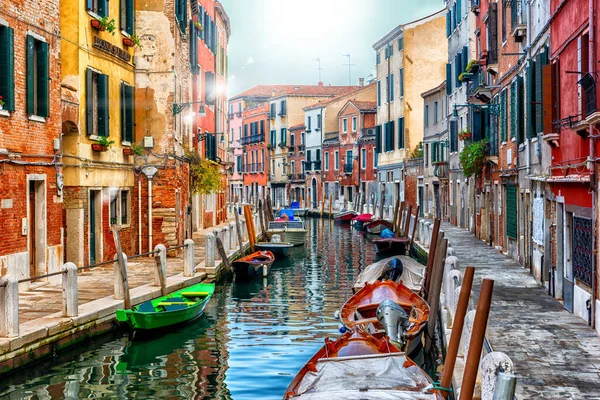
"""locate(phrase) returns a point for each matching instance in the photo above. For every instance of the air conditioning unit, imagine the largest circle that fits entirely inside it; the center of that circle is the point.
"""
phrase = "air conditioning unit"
(148, 142)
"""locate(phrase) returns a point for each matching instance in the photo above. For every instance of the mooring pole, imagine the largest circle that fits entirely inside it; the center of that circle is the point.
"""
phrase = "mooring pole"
(432, 247)
(477, 336)
(398, 225)
(433, 297)
(122, 263)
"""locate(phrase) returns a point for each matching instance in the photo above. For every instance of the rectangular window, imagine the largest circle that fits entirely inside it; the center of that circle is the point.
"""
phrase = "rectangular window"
(182, 19)
(283, 136)
(354, 123)
(308, 123)
(127, 16)
(127, 113)
(387, 89)
(240, 164)
(378, 139)
(345, 125)
(363, 158)
(319, 121)
(448, 79)
(209, 88)
(435, 112)
(98, 7)
(391, 87)
(7, 67)
(273, 110)
(511, 211)
(378, 93)
(426, 116)
(505, 4)
(125, 204)
(292, 139)
(453, 136)
(274, 138)
(426, 154)
(374, 158)
(96, 103)
(378, 58)
(38, 77)
(283, 110)
(262, 127)
(400, 132)
(401, 82)
(245, 130)
(336, 161)
(401, 43)
(112, 206)
(326, 154)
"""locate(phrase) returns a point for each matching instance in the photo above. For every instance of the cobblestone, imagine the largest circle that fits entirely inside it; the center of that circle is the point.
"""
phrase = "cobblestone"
(556, 355)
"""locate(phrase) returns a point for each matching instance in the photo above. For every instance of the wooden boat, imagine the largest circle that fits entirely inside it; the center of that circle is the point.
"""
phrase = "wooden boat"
(293, 232)
(375, 227)
(359, 221)
(361, 309)
(392, 246)
(279, 249)
(359, 365)
(344, 216)
(411, 273)
(177, 307)
(252, 265)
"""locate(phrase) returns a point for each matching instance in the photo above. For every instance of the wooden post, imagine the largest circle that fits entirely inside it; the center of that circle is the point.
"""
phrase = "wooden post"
(432, 247)
(222, 253)
(330, 205)
(407, 221)
(477, 337)
(396, 212)
(262, 221)
(122, 263)
(238, 228)
(433, 297)
(9, 306)
(398, 225)
(381, 203)
(265, 214)
(457, 328)
(250, 226)
(269, 208)
(160, 276)
(322, 205)
(70, 290)
(412, 237)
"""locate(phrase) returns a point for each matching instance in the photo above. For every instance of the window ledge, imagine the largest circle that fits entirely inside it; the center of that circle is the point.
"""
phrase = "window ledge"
(125, 143)
(4, 113)
(513, 139)
(36, 118)
(504, 143)
(533, 140)
(125, 226)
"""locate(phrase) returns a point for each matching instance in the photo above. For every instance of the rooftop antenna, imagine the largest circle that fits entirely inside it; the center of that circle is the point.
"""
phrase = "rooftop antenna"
(349, 65)
(318, 60)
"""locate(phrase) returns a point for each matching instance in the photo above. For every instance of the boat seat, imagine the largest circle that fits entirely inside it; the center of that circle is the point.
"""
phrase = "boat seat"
(194, 294)
(170, 303)
(175, 307)
(146, 307)
(175, 299)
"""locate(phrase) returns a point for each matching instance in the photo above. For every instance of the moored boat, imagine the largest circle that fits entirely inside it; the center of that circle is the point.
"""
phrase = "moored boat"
(279, 249)
(298, 211)
(392, 246)
(359, 221)
(252, 265)
(345, 216)
(293, 232)
(180, 306)
(361, 309)
(395, 268)
(375, 227)
(359, 365)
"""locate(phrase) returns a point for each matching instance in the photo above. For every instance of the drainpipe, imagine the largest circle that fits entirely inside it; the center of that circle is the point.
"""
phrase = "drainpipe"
(592, 69)
(140, 215)
(149, 172)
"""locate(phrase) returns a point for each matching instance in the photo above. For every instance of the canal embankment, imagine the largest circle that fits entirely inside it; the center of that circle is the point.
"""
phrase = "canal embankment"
(47, 315)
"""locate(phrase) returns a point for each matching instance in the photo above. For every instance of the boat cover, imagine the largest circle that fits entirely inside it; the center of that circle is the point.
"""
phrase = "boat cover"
(363, 218)
(387, 234)
(274, 225)
(412, 274)
(295, 204)
(288, 212)
(374, 376)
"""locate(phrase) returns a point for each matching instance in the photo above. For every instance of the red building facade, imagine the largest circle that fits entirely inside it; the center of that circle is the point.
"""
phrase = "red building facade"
(296, 175)
(255, 125)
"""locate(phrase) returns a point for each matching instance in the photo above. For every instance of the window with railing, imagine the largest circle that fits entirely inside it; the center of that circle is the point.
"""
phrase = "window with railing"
(252, 139)
(348, 167)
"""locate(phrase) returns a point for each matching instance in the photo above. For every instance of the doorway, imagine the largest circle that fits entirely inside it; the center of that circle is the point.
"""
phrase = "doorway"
(568, 282)
(95, 230)
(36, 206)
(436, 195)
(314, 193)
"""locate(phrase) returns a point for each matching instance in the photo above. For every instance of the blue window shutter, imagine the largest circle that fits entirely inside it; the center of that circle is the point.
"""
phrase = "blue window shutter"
(448, 27)
(392, 87)
(458, 11)
(89, 4)
(392, 134)
(448, 79)
(457, 68)
(30, 75)
(378, 93)
(43, 79)
(103, 8)
(378, 139)
(465, 57)
(103, 115)
(7, 67)
(89, 101)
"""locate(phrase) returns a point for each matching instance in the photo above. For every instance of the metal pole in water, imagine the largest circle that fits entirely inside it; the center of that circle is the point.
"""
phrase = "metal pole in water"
(265, 270)
(505, 386)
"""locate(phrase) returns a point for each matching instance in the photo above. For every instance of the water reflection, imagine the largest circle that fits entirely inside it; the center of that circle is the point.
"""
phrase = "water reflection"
(252, 340)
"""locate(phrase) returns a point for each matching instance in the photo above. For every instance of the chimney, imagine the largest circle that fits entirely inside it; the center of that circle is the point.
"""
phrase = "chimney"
(320, 84)
(361, 81)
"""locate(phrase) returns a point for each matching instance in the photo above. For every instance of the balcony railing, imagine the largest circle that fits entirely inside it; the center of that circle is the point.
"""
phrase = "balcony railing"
(317, 165)
(307, 165)
(246, 140)
(348, 168)
(300, 147)
(298, 177)
(254, 168)
(440, 169)
(588, 84)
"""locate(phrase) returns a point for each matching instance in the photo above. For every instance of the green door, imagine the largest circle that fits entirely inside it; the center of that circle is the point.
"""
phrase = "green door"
(92, 219)
(511, 211)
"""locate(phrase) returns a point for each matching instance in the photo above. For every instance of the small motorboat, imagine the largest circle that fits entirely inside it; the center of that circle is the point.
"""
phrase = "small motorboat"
(180, 306)
(255, 264)
(395, 268)
(276, 246)
(390, 244)
(291, 229)
(361, 309)
(359, 221)
(360, 366)
(345, 216)
(375, 227)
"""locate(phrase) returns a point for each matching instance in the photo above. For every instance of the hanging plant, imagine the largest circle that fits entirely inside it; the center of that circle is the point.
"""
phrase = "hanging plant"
(137, 149)
(471, 65)
(198, 25)
(465, 134)
(206, 178)
(417, 151)
(472, 158)
(105, 24)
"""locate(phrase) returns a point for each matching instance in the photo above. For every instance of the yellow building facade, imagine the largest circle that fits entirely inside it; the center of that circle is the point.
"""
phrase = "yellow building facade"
(97, 98)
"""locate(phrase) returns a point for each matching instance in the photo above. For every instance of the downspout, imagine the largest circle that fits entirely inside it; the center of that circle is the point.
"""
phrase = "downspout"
(592, 70)
(150, 214)
(140, 215)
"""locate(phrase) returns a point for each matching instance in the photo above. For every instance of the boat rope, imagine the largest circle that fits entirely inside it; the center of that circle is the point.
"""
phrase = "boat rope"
(438, 386)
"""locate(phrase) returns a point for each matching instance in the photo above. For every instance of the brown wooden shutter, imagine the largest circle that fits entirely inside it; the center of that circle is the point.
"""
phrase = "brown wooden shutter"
(549, 97)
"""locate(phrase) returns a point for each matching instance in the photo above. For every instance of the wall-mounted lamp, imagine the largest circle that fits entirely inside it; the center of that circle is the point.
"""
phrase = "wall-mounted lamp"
(202, 136)
(179, 107)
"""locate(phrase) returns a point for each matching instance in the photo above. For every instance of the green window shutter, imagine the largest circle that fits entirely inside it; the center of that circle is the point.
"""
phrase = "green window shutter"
(377, 59)
(129, 19)
(448, 79)
(401, 132)
(401, 82)
(392, 134)
(391, 87)
(89, 101)
(529, 96)
(503, 116)
(465, 57)
(401, 43)
(30, 75)
(7, 67)
(193, 49)
(520, 111)
(378, 139)
(511, 211)
(538, 109)
(513, 109)
(458, 11)
(43, 79)
(457, 68)
(103, 8)
(448, 30)
(378, 93)
(123, 113)
(103, 122)
(183, 21)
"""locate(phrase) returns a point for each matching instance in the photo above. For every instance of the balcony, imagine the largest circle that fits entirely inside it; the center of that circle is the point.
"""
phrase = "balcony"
(478, 87)
(246, 140)
(440, 169)
(348, 168)
(282, 113)
(307, 165)
(475, 6)
(519, 29)
(238, 114)
(300, 147)
(297, 177)
(588, 84)
(254, 168)
(317, 165)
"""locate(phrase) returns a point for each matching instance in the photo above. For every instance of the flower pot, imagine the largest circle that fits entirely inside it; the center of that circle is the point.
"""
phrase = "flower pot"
(128, 42)
(99, 147)
(97, 25)
(127, 151)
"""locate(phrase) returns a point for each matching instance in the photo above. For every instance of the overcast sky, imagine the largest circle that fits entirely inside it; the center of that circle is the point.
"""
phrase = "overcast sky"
(277, 41)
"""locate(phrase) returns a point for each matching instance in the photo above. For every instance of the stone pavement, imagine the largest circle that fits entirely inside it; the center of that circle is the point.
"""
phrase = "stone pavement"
(45, 298)
(556, 355)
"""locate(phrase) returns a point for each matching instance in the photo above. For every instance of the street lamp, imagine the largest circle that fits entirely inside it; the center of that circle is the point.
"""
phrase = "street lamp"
(177, 108)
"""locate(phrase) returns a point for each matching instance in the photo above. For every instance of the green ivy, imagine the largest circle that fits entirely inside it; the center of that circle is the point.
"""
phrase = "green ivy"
(472, 158)
(206, 178)
(417, 151)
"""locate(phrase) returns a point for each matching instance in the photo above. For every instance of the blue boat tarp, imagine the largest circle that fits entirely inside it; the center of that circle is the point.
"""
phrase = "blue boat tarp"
(387, 234)
(295, 204)
(288, 212)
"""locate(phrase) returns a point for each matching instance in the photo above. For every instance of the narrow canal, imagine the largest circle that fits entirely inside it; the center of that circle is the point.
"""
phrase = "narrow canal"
(250, 343)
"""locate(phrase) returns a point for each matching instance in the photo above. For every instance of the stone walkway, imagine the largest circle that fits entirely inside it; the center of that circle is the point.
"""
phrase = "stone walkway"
(45, 298)
(556, 354)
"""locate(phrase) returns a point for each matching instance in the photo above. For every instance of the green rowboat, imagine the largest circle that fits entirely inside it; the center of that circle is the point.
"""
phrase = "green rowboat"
(177, 307)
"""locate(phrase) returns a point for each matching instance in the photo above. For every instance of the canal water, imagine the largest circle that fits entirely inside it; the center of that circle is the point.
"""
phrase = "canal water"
(250, 343)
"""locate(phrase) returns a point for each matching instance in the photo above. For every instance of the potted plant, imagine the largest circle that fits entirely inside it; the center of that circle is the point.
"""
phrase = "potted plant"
(1, 103)
(472, 66)
(104, 24)
(133, 40)
(472, 158)
(465, 76)
(137, 149)
(465, 134)
(102, 144)
(282, 145)
(127, 151)
(198, 25)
